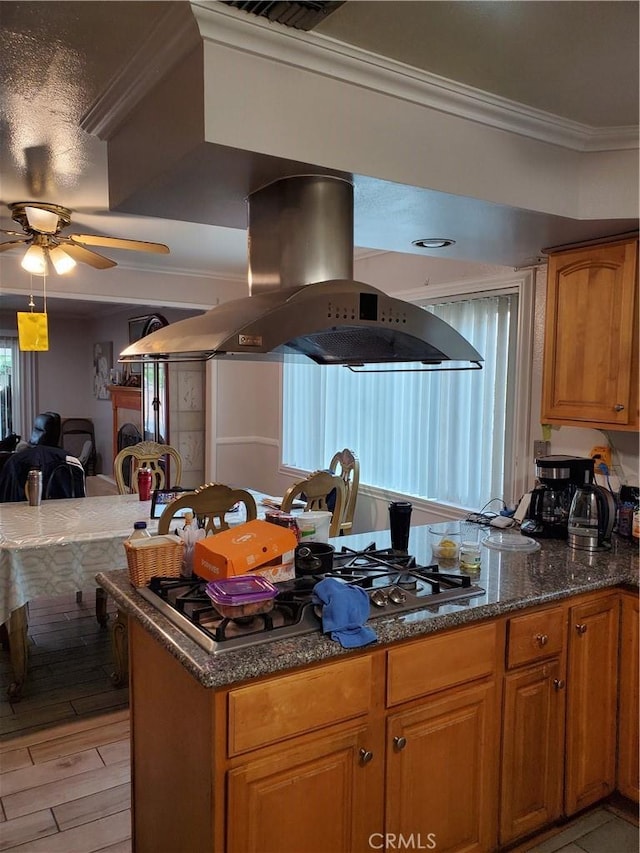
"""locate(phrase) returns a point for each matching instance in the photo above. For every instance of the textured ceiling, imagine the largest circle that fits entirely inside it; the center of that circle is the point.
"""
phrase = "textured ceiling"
(578, 60)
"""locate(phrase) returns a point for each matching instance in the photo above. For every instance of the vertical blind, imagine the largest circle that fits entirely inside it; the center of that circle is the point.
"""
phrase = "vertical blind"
(437, 436)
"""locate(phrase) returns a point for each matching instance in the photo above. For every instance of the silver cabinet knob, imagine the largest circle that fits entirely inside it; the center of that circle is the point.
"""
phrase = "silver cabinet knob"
(399, 743)
(558, 683)
(365, 756)
(618, 407)
(581, 628)
(542, 639)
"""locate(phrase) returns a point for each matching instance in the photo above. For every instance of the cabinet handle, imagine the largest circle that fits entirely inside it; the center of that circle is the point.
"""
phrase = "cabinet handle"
(365, 756)
(581, 628)
(542, 639)
(618, 407)
(558, 683)
(399, 742)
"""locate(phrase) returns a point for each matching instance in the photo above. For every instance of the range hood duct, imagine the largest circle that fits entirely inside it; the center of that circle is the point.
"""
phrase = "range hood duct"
(303, 299)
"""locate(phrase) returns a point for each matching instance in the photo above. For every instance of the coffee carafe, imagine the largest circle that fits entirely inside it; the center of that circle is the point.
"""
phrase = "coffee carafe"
(591, 518)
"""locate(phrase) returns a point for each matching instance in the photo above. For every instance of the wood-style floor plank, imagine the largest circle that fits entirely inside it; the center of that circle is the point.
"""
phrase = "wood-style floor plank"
(93, 807)
(37, 775)
(64, 789)
(28, 828)
(78, 741)
(87, 838)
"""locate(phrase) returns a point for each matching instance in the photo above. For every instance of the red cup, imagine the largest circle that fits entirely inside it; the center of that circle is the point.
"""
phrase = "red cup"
(144, 484)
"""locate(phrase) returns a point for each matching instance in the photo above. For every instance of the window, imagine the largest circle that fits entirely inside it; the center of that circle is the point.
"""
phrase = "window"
(8, 362)
(447, 437)
(18, 386)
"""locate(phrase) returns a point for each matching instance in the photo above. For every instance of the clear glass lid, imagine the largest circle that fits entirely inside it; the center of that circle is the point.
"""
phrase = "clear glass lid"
(503, 540)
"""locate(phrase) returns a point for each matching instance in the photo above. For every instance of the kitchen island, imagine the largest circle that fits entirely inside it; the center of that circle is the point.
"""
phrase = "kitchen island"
(298, 744)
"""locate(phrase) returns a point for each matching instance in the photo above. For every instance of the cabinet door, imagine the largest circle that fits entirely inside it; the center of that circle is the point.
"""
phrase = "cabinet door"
(532, 749)
(628, 745)
(591, 333)
(312, 798)
(442, 771)
(591, 702)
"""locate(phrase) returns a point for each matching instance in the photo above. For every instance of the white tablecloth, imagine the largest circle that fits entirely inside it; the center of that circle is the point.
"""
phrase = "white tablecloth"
(60, 546)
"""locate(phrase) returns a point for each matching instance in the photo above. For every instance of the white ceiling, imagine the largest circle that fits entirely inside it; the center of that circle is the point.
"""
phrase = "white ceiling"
(576, 60)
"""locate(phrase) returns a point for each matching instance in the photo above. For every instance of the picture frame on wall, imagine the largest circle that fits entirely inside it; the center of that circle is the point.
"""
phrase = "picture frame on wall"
(102, 364)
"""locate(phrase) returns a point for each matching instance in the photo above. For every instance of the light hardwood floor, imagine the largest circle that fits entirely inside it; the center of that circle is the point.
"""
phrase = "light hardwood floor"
(67, 789)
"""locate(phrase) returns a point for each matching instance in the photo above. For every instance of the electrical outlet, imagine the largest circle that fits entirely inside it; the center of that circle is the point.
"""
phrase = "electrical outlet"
(604, 454)
(540, 449)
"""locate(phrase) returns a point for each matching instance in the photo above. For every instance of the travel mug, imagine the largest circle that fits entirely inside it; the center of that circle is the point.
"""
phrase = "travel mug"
(33, 487)
(399, 524)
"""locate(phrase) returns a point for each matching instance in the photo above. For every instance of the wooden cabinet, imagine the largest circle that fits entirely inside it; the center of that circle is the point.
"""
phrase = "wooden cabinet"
(443, 740)
(533, 723)
(591, 702)
(441, 771)
(459, 741)
(312, 796)
(628, 710)
(590, 375)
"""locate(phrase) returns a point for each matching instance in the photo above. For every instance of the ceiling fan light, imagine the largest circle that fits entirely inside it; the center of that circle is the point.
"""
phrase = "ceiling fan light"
(41, 220)
(61, 261)
(35, 261)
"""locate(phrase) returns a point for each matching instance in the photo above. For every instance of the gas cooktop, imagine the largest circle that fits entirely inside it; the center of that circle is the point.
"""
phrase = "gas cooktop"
(393, 582)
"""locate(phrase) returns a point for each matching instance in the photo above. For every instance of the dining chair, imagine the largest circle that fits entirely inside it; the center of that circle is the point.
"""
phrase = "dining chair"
(346, 465)
(152, 455)
(315, 489)
(209, 504)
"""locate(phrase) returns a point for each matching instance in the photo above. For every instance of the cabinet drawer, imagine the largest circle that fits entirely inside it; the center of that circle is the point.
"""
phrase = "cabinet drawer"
(535, 636)
(440, 661)
(289, 705)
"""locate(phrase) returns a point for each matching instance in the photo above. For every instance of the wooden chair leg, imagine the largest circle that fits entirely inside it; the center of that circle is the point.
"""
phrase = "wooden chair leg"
(19, 651)
(101, 606)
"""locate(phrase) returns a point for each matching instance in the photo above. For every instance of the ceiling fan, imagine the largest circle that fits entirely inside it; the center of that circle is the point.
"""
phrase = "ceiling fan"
(42, 225)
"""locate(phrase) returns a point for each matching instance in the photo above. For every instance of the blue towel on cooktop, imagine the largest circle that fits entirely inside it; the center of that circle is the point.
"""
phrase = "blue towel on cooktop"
(345, 609)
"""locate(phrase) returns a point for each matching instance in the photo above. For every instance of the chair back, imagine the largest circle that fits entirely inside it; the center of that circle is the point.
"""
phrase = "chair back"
(209, 505)
(148, 454)
(315, 490)
(77, 436)
(346, 465)
(46, 430)
(66, 480)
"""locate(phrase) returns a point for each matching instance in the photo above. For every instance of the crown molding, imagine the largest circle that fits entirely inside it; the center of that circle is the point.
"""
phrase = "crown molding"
(184, 26)
(236, 30)
(172, 36)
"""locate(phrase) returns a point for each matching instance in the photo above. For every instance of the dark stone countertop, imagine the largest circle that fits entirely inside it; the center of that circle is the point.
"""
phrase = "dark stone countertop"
(512, 581)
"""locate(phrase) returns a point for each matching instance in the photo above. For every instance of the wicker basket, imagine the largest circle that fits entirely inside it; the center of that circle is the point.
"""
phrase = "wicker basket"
(161, 555)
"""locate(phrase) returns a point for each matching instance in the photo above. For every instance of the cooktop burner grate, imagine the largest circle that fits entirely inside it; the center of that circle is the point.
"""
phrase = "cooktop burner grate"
(395, 585)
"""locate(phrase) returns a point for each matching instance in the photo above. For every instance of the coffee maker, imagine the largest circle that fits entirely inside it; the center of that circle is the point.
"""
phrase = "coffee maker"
(550, 501)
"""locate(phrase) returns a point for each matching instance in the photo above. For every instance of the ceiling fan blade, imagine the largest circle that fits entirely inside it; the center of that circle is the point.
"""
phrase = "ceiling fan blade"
(84, 256)
(15, 234)
(12, 244)
(119, 243)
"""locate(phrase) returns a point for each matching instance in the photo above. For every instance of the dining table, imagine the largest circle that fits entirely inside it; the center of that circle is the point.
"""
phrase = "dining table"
(58, 547)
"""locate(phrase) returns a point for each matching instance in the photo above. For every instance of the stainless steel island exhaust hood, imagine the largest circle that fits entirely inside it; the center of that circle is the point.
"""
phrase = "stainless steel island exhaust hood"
(303, 299)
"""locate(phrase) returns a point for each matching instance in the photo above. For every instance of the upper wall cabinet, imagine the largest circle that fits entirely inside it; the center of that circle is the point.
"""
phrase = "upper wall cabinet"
(590, 375)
